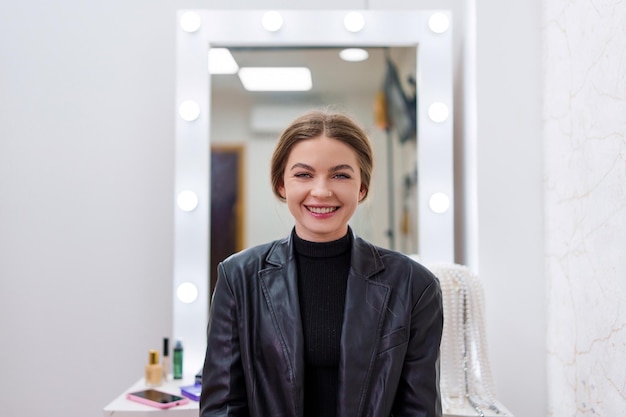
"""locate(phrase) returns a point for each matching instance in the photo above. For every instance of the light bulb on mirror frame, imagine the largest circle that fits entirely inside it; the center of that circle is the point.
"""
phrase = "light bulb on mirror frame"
(187, 200)
(438, 112)
(272, 21)
(439, 203)
(354, 22)
(189, 110)
(438, 22)
(187, 292)
(190, 22)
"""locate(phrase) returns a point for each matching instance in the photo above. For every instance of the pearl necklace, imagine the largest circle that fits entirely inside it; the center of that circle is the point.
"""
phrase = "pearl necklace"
(466, 382)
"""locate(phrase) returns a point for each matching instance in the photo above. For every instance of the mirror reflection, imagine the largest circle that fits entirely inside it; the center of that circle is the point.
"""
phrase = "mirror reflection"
(246, 124)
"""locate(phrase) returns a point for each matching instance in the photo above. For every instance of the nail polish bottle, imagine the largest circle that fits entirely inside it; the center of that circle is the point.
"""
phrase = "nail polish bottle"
(178, 360)
(154, 370)
(165, 361)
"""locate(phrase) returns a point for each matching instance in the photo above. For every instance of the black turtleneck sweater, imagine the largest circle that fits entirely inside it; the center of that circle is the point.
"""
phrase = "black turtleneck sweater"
(322, 280)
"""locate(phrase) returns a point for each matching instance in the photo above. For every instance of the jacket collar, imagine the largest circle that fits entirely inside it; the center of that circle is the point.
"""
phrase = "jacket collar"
(365, 260)
(366, 302)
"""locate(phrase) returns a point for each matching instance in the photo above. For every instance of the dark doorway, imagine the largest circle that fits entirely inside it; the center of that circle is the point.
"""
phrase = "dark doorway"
(227, 224)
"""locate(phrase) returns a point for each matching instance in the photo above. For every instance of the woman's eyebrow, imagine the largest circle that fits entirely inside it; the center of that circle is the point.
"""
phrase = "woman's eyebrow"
(341, 167)
(302, 165)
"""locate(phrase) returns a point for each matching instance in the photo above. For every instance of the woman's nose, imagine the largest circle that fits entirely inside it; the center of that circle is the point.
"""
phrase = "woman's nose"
(321, 190)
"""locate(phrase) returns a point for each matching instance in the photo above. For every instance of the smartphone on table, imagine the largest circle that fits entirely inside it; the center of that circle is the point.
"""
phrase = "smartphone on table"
(156, 398)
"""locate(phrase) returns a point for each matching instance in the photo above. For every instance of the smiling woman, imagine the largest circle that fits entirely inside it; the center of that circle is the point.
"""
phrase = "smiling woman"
(318, 291)
(224, 28)
(325, 176)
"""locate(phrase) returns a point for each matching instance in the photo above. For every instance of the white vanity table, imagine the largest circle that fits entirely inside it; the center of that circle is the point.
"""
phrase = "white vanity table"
(123, 407)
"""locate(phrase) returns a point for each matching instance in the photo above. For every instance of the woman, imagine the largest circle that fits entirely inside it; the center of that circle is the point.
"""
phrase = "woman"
(322, 323)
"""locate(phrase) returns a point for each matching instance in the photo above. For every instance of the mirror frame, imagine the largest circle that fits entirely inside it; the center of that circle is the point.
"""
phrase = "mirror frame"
(301, 28)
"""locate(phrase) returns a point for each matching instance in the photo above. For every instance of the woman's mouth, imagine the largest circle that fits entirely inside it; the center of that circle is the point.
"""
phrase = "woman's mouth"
(321, 210)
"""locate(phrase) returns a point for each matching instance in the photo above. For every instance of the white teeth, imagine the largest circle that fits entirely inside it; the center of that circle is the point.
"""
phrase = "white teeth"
(321, 210)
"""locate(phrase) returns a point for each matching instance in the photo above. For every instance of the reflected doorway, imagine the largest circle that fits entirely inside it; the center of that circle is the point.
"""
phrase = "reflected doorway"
(227, 225)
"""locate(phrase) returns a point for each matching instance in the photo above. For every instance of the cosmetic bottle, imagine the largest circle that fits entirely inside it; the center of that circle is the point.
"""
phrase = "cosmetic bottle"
(165, 360)
(154, 370)
(178, 360)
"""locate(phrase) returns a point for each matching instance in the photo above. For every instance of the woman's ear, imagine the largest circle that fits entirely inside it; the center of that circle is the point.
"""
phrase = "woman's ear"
(281, 190)
(362, 192)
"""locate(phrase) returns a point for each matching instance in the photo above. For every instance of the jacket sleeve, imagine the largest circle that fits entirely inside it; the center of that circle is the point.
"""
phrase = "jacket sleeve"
(418, 391)
(223, 384)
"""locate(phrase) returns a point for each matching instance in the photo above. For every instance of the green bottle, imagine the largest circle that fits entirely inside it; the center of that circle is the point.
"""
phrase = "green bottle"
(178, 360)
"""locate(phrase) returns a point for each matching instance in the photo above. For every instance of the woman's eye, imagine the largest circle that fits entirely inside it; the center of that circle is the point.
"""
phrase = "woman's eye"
(302, 175)
(342, 176)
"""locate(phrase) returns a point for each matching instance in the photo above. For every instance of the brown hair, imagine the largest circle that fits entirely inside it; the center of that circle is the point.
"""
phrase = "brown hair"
(314, 124)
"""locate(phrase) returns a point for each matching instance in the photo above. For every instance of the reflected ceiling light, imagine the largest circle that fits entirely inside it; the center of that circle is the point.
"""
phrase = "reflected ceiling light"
(438, 112)
(439, 203)
(189, 110)
(438, 22)
(221, 61)
(187, 200)
(187, 292)
(354, 21)
(353, 54)
(190, 21)
(276, 78)
(272, 21)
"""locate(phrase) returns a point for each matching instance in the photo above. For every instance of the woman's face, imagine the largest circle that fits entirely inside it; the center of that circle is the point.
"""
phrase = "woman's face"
(322, 186)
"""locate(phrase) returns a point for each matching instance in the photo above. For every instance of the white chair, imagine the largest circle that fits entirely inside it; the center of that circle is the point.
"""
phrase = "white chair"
(466, 384)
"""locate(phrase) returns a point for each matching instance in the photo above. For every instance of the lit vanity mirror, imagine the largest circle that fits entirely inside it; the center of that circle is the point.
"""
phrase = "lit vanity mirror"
(225, 136)
(245, 126)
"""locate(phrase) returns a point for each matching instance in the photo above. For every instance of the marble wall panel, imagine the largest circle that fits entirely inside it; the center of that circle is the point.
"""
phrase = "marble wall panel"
(585, 205)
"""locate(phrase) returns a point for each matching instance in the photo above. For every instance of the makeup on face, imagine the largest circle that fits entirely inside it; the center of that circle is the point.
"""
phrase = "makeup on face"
(322, 187)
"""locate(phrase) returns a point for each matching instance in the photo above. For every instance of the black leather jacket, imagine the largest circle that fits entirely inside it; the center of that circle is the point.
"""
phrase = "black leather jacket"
(389, 363)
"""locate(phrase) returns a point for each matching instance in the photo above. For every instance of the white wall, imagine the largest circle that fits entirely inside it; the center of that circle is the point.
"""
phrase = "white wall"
(86, 186)
(86, 209)
(509, 194)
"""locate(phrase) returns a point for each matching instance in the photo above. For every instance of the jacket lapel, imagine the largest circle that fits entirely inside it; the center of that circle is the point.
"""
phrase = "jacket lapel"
(280, 289)
(366, 302)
